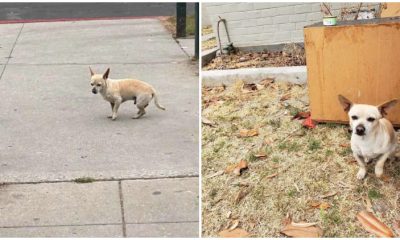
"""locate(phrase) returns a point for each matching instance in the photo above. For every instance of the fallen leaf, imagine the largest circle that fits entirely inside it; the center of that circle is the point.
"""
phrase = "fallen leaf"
(309, 123)
(396, 226)
(206, 121)
(344, 145)
(271, 176)
(320, 205)
(374, 225)
(304, 231)
(301, 115)
(285, 97)
(260, 155)
(215, 174)
(248, 133)
(303, 224)
(242, 193)
(331, 194)
(385, 178)
(236, 233)
(229, 214)
(237, 169)
(234, 225)
(250, 87)
(266, 82)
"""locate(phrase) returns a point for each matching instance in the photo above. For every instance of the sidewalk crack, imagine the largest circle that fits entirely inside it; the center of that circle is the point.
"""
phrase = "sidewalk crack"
(12, 49)
(121, 201)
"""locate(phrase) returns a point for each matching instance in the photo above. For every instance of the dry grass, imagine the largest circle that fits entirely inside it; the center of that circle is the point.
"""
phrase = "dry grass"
(206, 30)
(291, 55)
(308, 163)
(211, 43)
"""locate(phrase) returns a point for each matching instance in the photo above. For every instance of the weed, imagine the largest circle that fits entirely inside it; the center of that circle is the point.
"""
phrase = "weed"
(314, 144)
(374, 194)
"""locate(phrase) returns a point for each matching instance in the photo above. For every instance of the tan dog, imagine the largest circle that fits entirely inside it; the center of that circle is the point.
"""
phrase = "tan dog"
(121, 90)
(373, 136)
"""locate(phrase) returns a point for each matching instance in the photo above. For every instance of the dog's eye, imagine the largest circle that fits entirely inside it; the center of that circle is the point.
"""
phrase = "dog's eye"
(354, 117)
(92, 84)
(98, 84)
(370, 119)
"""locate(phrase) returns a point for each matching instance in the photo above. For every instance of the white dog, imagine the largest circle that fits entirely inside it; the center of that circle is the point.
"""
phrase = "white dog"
(373, 136)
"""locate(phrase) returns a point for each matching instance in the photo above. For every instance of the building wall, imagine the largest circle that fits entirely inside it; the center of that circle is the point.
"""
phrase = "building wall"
(258, 24)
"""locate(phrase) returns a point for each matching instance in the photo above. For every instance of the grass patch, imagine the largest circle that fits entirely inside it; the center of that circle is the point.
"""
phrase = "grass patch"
(190, 24)
(374, 194)
(300, 165)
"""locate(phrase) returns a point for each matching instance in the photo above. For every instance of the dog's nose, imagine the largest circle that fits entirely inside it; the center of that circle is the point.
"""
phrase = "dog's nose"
(94, 90)
(360, 130)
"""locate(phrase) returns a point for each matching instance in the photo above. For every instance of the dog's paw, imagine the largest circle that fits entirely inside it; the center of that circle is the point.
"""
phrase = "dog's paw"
(379, 172)
(361, 174)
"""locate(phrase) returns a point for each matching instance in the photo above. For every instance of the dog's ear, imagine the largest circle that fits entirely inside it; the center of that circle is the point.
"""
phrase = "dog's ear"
(91, 71)
(346, 103)
(105, 75)
(386, 106)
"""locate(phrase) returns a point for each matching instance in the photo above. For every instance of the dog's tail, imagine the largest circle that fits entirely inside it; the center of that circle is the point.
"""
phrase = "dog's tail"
(156, 100)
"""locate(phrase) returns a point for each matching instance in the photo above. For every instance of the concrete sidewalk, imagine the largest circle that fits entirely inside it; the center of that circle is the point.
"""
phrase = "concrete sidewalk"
(53, 130)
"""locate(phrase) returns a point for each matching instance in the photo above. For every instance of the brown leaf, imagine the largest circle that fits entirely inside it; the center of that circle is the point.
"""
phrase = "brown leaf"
(215, 174)
(374, 225)
(248, 133)
(260, 155)
(236, 233)
(299, 231)
(234, 225)
(266, 82)
(285, 97)
(331, 194)
(237, 169)
(320, 205)
(242, 193)
(271, 176)
(344, 145)
(249, 87)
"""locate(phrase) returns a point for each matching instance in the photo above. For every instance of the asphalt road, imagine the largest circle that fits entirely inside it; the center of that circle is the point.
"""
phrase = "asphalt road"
(25, 11)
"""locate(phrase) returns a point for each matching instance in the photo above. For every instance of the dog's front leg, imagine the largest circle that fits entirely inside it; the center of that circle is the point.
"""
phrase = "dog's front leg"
(380, 163)
(363, 169)
(112, 109)
(115, 109)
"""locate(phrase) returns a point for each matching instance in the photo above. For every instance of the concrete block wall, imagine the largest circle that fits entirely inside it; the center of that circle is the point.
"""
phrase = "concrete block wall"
(259, 24)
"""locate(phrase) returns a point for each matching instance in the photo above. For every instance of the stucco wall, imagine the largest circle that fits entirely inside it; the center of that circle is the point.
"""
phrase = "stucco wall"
(258, 24)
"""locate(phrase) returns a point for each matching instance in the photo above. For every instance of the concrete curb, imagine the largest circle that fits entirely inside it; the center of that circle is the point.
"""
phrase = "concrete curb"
(297, 75)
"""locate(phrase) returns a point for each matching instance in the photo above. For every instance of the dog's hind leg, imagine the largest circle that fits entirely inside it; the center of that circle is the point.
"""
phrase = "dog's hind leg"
(379, 165)
(141, 103)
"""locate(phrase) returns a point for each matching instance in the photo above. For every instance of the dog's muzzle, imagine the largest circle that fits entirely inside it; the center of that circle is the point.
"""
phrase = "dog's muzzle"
(360, 130)
(94, 90)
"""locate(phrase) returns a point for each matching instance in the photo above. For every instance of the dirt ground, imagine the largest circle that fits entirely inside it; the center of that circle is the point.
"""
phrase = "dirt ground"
(291, 55)
(309, 174)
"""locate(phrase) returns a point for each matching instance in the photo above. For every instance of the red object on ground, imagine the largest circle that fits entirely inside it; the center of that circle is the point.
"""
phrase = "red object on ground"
(309, 123)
